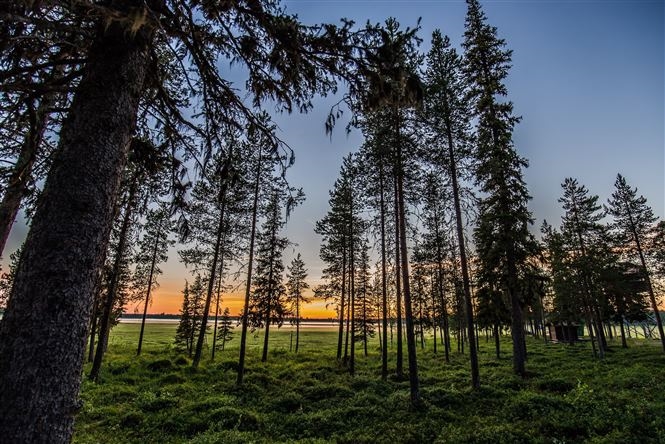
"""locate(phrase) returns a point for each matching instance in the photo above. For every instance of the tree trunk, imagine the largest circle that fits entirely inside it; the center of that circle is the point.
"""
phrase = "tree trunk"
(218, 298)
(497, 341)
(264, 355)
(384, 279)
(410, 337)
(475, 377)
(298, 318)
(271, 290)
(44, 329)
(105, 326)
(434, 319)
(624, 344)
(21, 174)
(652, 297)
(147, 296)
(211, 282)
(398, 285)
(250, 265)
(340, 338)
(345, 360)
(93, 329)
(352, 293)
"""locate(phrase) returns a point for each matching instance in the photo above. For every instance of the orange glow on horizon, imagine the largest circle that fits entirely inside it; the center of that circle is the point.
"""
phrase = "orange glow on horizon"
(167, 299)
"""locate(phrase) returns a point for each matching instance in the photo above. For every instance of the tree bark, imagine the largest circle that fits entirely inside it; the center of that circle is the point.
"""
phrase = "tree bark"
(408, 312)
(398, 284)
(645, 270)
(44, 330)
(340, 338)
(475, 376)
(384, 278)
(109, 302)
(211, 282)
(248, 284)
(147, 295)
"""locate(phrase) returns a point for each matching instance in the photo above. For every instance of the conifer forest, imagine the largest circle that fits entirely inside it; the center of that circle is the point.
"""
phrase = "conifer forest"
(154, 289)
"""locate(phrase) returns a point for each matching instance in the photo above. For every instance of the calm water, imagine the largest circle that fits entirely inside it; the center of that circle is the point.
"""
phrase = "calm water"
(211, 321)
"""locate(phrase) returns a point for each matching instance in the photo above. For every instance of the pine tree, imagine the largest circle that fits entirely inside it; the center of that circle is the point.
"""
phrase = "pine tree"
(584, 236)
(502, 235)
(394, 87)
(448, 113)
(435, 242)
(224, 332)
(128, 68)
(143, 177)
(296, 285)
(365, 315)
(633, 219)
(268, 303)
(185, 325)
(336, 251)
(152, 250)
(191, 315)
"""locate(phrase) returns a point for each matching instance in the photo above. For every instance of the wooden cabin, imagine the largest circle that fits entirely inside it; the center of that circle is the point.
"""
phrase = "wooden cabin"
(563, 332)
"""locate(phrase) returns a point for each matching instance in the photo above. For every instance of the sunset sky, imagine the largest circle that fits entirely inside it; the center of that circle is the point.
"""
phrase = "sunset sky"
(587, 79)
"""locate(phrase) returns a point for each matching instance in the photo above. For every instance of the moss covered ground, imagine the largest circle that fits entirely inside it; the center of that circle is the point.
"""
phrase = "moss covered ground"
(308, 397)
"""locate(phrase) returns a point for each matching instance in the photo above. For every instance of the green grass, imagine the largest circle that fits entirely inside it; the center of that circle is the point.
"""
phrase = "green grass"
(309, 397)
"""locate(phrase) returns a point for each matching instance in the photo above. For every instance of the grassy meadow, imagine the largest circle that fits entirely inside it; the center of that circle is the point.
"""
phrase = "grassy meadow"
(310, 398)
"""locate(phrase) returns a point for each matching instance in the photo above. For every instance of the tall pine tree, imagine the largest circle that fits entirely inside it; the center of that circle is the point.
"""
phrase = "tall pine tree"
(502, 236)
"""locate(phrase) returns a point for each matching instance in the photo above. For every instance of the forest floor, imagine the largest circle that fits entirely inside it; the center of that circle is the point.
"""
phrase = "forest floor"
(308, 397)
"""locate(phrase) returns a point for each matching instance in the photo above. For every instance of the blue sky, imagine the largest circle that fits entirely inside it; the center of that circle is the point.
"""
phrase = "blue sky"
(587, 78)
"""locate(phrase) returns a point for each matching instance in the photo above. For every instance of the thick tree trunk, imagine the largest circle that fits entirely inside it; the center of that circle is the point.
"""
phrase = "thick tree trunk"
(44, 330)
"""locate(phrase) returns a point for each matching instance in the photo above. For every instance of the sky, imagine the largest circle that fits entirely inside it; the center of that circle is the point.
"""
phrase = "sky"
(587, 78)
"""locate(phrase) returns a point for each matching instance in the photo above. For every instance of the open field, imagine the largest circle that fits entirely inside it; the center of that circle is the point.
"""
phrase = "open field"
(309, 397)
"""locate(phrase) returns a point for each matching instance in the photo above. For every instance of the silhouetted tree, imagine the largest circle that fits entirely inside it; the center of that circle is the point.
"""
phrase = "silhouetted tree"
(633, 219)
(152, 250)
(448, 113)
(130, 68)
(191, 315)
(224, 332)
(583, 235)
(296, 284)
(502, 237)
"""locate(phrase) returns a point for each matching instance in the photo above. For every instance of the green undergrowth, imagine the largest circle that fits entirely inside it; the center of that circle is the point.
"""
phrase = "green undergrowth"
(308, 397)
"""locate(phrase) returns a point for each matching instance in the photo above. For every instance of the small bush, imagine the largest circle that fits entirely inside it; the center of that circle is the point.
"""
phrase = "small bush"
(160, 365)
